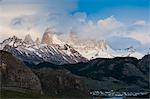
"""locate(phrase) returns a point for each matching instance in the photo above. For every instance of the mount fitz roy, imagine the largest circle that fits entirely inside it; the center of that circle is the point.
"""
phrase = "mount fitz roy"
(58, 51)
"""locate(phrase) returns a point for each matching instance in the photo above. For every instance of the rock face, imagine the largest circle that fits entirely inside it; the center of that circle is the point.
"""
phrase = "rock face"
(13, 41)
(46, 39)
(50, 37)
(61, 83)
(47, 36)
(37, 41)
(16, 75)
(28, 39)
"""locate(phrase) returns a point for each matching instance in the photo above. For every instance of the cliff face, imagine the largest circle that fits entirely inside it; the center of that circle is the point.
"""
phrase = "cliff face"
(47, 36)
(16, 75)
(28, 39)
(46, 39)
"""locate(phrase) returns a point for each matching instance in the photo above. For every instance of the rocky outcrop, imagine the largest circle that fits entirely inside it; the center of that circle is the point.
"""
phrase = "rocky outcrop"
(37, 41)
(16, 75)
(28, 39)
(46, 39)
(47, 36)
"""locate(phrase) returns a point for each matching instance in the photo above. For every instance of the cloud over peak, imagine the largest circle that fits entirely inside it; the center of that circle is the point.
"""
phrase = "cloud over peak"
(21, 17)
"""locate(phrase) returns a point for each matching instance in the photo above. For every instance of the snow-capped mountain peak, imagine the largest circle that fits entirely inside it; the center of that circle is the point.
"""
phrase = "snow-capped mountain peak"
(55, 50)
(102, 44)
(100, 49)
(50, 37)
(36, 53)
(12, 41)
(56, 40)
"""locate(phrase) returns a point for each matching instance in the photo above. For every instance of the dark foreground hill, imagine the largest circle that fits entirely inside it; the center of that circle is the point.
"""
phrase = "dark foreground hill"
(18, 80)
(127, 74)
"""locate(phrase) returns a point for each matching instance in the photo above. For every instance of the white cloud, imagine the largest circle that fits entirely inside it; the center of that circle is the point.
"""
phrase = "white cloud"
(101, 29)
(123, 42)
(140, 31)
(109, 23)
(140, 22)
(9, 32)
(144, 38)
(10, 11)
(21, 17)
(80, 16)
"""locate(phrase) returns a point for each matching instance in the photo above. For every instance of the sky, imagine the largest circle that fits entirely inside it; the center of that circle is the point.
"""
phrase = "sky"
(122, 23)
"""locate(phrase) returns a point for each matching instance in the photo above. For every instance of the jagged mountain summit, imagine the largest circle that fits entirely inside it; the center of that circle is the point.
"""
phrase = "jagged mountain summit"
(28, 39)
(92, 49)
(36, 53)
(50, 37)
(12, 41)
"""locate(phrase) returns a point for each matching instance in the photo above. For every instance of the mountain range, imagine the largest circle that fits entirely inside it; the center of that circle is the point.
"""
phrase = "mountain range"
(51, 48)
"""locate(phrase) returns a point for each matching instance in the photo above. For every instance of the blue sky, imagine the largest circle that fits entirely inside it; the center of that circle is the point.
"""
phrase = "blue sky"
(126, 21)
(124, 10)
